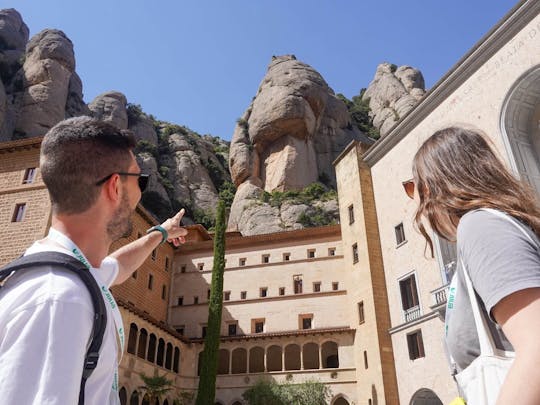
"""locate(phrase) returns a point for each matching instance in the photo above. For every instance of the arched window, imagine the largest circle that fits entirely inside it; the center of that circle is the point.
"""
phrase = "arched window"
(274, 359)
(341, 401)
(168, 357)
(520, 123)
(151, 348)
(256, 360)
(223, 361)
(134, 400)
(122, 394)
(310, 353)
(146, 400)
(425, 396)
(132, 340)
(160, 352)
(239, 361)
(292, 357)
(176, 360)
(330, 357)
(143, 337)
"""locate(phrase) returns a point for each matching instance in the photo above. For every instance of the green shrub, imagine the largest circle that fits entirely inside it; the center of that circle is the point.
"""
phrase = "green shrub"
(145, 146)
(316, 217)
(359, 111)
(134, 112)
(272, 393)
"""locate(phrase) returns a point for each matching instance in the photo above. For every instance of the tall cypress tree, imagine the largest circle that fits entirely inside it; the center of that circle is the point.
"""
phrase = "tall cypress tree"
(207, 381)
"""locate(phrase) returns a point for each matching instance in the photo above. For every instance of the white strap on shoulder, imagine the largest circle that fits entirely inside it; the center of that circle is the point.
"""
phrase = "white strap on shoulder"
(487, 346)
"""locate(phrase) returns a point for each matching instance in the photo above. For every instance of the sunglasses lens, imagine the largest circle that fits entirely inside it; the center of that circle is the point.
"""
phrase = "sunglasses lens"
(143, 182)
(409, 188)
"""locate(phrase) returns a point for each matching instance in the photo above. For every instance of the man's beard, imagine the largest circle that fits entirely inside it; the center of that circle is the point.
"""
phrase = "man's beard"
(121, 225)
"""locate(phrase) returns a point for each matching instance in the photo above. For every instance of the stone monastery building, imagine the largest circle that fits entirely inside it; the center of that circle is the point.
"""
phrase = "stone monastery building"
(357, 306)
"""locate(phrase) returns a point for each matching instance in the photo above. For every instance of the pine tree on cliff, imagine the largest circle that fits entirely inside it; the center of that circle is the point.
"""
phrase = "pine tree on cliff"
(209, 362)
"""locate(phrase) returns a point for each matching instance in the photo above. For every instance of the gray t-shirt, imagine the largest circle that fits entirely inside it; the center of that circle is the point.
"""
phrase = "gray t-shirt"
(500, 260)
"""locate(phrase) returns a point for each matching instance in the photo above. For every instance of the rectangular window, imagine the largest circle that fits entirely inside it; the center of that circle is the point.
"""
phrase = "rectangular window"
(286, 257)
(361, 318)
(150, 281)
(180, 330)
(200, 266)
(281, 290)
(355, 253)
(366, 365)
(134, 274)
(29, 175)
(297, 284)
(263, 292)
(311, 253)
(195, 300)
(351, 214)
(163, 292)
(18, 214)
(409, 293)
(257, 325)
(226, 295)
(208, 294)
(154, 254)
(317, 286)
(416, 345)
(331, 251)
(335, 286)
(204, 329)
(180, 301)
(242, 261)
(183, 268)
(305, 321)
(243, 295)
(265, 258)
(400, 234)
(232, 329)
(166, 264)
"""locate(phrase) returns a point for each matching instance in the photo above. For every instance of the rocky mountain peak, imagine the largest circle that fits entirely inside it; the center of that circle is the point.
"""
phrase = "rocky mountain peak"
(393, 92)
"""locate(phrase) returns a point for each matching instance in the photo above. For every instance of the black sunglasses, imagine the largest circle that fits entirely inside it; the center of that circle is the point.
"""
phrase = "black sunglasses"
(143, 179)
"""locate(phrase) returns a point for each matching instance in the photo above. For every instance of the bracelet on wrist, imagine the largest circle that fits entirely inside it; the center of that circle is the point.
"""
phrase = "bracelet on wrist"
(159, 228)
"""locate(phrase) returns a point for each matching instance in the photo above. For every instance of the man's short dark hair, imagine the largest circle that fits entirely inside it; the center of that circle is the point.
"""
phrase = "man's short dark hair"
(78, 152)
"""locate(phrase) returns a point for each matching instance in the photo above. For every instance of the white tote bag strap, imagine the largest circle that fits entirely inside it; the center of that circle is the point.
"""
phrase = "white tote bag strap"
(487, 346)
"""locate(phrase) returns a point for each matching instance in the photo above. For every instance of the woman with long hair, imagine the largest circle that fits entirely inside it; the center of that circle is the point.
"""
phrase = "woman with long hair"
(467, 195)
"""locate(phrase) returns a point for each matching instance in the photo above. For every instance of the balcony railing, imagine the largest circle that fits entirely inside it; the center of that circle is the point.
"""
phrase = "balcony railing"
(412, 313)
(439, 296)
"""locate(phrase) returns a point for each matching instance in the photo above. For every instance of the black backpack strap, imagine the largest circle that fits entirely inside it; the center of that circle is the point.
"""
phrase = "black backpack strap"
(57, 259)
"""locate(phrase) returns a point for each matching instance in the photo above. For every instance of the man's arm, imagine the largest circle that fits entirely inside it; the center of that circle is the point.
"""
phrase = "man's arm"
(131, 256)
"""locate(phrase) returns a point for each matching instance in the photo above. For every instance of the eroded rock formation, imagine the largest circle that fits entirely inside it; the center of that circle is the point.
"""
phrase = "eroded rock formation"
(286, 140)
(393, 92)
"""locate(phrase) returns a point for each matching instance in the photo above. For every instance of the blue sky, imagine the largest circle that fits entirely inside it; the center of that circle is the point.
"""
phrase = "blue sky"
(199, 63)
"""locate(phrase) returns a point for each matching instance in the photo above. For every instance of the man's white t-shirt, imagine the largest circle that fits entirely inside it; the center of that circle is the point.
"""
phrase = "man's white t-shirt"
(46, 320)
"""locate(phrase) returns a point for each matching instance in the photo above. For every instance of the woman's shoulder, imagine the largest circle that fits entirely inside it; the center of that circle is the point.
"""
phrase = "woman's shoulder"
(487, 224)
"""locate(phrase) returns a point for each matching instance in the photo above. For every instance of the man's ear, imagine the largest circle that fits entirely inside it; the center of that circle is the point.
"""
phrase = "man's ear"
(111, 188)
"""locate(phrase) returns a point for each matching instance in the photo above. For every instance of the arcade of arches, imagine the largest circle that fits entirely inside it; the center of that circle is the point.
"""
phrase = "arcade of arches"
(153, 349)
(257, 359)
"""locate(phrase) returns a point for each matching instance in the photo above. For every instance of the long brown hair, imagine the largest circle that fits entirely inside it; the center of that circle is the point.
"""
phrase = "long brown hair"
(456, 171)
